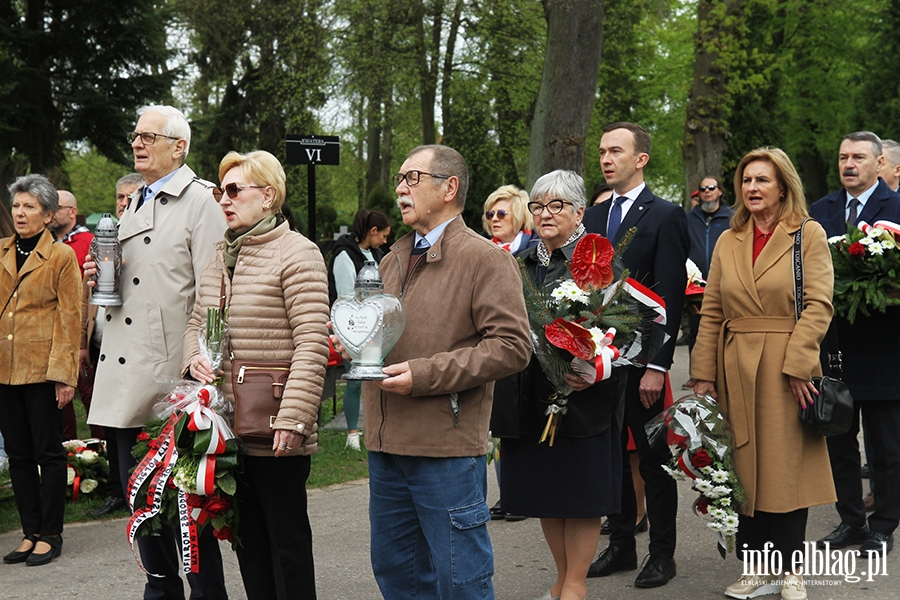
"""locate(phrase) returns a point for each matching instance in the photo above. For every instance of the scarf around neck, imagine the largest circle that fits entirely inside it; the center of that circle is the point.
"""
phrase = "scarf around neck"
(234, 241)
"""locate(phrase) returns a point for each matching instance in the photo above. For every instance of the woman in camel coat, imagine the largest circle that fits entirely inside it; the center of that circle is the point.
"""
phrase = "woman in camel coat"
(752, 355)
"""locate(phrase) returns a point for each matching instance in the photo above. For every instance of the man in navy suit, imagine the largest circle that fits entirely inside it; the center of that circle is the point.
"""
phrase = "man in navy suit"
(871, 361)
(656, 258)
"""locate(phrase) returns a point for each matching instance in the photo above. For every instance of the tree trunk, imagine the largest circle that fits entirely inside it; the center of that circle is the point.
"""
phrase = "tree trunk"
(447, 76)
(568, 86)
(429, 51)
(705, 124)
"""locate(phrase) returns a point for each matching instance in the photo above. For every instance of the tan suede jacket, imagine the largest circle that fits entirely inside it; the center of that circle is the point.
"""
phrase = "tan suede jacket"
(40, 328)
(277, 309)
(466, 327)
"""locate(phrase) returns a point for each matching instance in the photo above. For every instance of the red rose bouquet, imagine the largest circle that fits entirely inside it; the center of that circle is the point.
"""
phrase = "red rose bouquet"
(866, 269)
(187, 461)
(590, 322)
(701, 444)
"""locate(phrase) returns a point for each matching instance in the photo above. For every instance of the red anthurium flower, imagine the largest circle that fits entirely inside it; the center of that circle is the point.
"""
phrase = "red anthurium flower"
(592, 262)
(570, 337)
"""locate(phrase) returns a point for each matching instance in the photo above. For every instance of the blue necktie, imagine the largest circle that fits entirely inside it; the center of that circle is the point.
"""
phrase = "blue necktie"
(615, 217)
(854, 211)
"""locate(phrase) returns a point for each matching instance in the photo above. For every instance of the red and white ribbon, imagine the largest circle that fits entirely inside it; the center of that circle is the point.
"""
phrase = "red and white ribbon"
(690, 470)
(648, 298)
(888, 226)
(200, 418)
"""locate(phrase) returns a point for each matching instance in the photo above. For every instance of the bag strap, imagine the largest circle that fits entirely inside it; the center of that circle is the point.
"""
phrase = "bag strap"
(835, 358)
(13, 293)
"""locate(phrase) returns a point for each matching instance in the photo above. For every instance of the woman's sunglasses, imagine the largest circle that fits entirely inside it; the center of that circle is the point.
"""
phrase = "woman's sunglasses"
(501, 214)
(232, 190)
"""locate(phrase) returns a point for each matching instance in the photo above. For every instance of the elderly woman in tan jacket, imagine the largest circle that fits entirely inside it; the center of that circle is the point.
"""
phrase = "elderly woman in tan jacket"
(40, 323)
(757, 360)
(276, 290)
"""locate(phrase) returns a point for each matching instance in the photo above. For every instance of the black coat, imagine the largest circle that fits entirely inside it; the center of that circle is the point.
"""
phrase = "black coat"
(521, 400)
(871, 346)
(347, 243)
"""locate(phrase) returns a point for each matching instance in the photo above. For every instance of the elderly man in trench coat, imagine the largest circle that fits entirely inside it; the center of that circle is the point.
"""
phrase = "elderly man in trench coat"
(167, 234)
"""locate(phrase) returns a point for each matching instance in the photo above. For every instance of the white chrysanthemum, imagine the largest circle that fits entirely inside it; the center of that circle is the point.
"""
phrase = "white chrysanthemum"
(674, 473)
(835, 239)
(888, 244)
(719, 476)
(706, 470)
(876, 248)
(875, 232)
(70, 475)
(721, 490)
(715, 526)
(866, 241)
(703, 486)
(730, 521)
(88, 485)
(183, 481)
(730, 530)
(89, 456)
(717, 513)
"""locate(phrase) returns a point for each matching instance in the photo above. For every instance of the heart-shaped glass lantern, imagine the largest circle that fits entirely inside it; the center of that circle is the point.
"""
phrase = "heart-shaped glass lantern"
(368, 323)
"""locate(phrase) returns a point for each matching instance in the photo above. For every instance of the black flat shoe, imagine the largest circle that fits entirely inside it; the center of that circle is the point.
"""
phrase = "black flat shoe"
(497, 513)
(658, 571)
(605, 527)
(16, 557)
(36, 560)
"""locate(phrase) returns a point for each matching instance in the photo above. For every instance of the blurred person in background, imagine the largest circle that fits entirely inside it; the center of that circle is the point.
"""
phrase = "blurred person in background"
(370, 231)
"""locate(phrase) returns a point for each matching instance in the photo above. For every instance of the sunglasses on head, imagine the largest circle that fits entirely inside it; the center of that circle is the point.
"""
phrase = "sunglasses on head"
(501, 214)
(708, 188)
(232, 190)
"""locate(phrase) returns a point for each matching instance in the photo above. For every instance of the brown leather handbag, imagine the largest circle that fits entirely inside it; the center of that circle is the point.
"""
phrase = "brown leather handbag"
(258, 388)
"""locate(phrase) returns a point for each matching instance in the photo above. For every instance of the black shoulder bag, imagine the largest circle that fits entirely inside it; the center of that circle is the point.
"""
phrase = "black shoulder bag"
(832, 411)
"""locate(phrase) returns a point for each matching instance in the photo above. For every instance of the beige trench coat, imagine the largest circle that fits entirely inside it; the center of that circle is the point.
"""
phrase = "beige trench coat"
(165, 246)
(748, 343)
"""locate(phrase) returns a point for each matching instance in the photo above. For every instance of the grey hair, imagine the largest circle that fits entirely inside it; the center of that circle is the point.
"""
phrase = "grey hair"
(130, 179)
(865, 136)
(566, 185)
(891, 151)
(176, 123)
(39, 187)
(447, 161)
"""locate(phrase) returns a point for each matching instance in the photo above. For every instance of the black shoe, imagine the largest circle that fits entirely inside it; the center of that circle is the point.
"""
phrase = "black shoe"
(16, 557)
(605, 527)
(682, 341)
(611, 560)
(874, 543)
(658, 571)
(514, 518)
(110, 505)
(865, 472)
(36, 560)
(497, 513)
(844, 536)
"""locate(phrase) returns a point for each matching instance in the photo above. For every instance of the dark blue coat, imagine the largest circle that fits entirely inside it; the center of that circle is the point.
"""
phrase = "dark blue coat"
(871, 346)
(703, 236)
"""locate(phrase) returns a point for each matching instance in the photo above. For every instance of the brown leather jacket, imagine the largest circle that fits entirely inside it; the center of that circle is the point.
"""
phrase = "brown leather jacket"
(466, 327)
(40, 328)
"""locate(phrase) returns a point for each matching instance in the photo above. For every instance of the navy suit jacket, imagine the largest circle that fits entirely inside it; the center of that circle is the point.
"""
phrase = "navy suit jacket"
(871, 346)
(656, 256)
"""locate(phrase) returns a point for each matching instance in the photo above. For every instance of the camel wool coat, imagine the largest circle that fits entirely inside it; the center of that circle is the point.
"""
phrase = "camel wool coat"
(749, 344)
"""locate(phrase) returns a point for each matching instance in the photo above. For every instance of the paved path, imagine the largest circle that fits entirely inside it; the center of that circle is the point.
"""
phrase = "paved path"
(97, 565)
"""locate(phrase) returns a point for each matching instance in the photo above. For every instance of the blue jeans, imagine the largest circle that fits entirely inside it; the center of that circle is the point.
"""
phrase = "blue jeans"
(429, 527)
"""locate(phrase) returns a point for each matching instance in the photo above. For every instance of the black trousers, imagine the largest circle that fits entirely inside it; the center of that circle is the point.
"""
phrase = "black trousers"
(882, 421)
(660, 488)
(276, 554)
(160, 554)
(785, 531)
(31, 425)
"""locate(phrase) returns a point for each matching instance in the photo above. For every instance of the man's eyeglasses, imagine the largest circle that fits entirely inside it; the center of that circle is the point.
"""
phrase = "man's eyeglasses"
(501, 214)
(554, 206)
(414, 177)
(147, 137)
(232, 190)
(708, 188)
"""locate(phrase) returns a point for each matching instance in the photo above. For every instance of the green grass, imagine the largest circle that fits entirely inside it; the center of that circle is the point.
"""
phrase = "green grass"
(333, 464)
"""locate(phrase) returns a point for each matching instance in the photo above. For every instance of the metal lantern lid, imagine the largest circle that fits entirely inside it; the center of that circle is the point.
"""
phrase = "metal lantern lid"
(369, 279)
(106, 227)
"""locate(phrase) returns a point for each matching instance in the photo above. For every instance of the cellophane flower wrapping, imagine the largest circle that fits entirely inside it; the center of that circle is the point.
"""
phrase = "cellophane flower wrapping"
(866, 269)
(593, 320)
(701, 442)
(188, 459)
